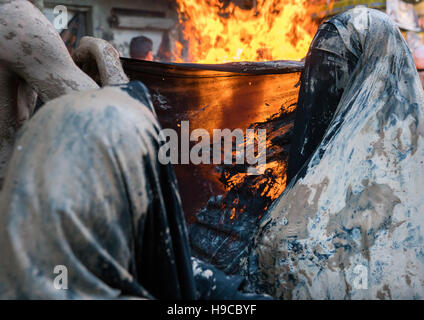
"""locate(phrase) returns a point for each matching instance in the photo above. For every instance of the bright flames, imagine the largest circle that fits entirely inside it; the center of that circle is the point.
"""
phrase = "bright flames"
(218, 31)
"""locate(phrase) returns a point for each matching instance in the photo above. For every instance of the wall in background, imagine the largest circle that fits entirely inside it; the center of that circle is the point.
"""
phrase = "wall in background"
(118, 21)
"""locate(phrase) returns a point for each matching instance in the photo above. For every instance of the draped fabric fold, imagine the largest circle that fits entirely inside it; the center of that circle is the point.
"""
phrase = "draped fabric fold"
(87, 211)
(351, 225)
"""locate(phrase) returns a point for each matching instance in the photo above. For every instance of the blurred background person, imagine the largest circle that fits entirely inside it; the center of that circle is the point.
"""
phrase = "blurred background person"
(141, 48)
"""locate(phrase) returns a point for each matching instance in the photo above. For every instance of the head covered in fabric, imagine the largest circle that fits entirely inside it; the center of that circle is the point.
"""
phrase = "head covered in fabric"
(357, 205)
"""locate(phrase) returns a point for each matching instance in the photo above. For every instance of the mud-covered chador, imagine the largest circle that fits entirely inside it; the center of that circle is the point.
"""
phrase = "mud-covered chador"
(356, 207)
(83, 187)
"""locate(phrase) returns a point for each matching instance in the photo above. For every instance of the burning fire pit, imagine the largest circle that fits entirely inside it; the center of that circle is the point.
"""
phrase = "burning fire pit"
(223, 203)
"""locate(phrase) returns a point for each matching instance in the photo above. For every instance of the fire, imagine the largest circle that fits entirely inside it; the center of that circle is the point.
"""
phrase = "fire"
(219, 31)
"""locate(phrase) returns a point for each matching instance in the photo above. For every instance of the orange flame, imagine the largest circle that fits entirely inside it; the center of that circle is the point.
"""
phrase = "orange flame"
(218, 31)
